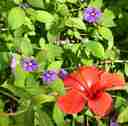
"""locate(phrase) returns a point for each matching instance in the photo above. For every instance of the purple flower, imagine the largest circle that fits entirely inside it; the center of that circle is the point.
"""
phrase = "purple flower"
(92, 15)
(62, 73)
(49, 76)
(13, 62)
(113, 123)
(29, 64)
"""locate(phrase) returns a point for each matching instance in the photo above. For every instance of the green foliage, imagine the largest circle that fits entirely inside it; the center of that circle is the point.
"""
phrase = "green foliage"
(56, 65)
(16, 17)
(96, 3)
(20, 76)
(122, 118)
(106, 34)
(75, 23)
(126, 69)
(26, 46)
(40, 99)
(44, 119)
(25, 118)
(36, 3)
(95, 48)
(44, 17)
(107, 19)
(58, 86)
(58, 116)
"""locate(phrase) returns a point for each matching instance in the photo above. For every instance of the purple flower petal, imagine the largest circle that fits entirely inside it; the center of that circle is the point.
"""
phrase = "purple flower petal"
(13, 62)
(113, 123)
(62, 73)
(91, 15)
(49, 76)
(29, 65)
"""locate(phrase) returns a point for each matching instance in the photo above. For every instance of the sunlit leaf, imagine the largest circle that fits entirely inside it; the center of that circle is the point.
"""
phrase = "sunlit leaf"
(95, 48)
(122, 118)
(36, 3)
(44, 16)
(16, 17)
(44, 118)
(58, 116)
(106, 33)
(75, 23)
(107, 18)
(96, 3)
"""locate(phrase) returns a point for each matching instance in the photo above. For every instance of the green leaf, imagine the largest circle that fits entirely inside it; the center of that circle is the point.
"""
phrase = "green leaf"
(26, 46)
(71, 1)
(4, 60)
(58, 116)
(106, 33)
(4, 121)
(41, 99)
(32, 86)
(75, 22)
(96, 3)
(107, 18)
(111, 54)
(126, 69)
(73, 47)
(20, 76)
(123, 118)
(29, 24)
(62, 9)
(120, 103)
(36, 3)
(88, 113)
(44, 16)
(17, 91)
(44, 119)
(55, 65)
(25, 117)
(58, 86)
(16, 17)
(80, 119)
(52, 51)
(42, 59)
(52, 36)
(18, 1)
(42, 42)
(101, 123)
(87, 62)
(95, 48)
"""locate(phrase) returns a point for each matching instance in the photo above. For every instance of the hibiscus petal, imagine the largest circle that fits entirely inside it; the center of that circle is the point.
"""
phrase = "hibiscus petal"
(101, 105)
(91, 75)
(84, 78)
(73, 102)
(109, 80)
(74, 80)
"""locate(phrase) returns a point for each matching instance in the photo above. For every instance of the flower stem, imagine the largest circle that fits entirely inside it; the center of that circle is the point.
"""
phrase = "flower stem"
(74, 120)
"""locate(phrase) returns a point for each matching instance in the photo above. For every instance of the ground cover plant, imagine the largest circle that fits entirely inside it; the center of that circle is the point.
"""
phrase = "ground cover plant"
(63, 63)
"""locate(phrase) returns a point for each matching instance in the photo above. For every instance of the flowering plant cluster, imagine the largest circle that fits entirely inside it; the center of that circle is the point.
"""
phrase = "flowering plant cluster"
(63, 63)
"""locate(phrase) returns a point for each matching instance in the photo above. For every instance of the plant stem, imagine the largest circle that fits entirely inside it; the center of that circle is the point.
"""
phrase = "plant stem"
(8, 94)
(74, 120)
(87, 122)
(113, 61)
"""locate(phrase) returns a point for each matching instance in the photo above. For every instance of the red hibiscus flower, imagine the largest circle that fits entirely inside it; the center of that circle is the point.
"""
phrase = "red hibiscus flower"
(87, 86)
